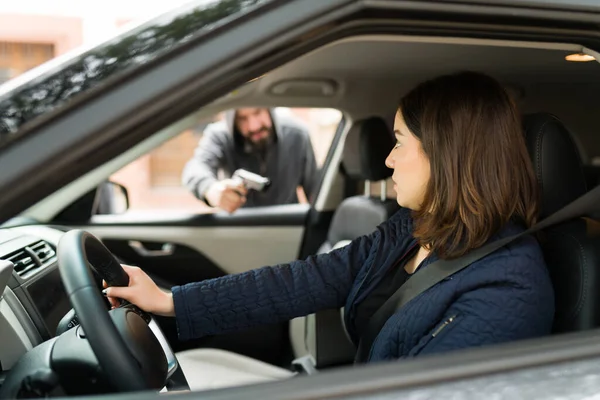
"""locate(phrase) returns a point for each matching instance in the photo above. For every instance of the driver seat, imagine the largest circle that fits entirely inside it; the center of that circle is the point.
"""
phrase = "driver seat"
(571, 249)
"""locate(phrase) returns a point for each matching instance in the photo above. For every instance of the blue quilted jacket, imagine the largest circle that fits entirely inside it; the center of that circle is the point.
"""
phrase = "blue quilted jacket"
(504, 296)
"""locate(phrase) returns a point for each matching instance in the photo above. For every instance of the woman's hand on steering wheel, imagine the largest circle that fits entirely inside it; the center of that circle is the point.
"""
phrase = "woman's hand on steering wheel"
(143, 292)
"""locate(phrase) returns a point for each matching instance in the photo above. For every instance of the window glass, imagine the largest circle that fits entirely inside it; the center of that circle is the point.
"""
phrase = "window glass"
(154, 181)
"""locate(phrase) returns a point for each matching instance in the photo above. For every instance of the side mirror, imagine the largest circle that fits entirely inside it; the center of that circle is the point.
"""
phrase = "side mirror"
(111, 198)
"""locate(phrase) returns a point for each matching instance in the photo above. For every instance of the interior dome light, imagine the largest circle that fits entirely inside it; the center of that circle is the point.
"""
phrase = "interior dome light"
(579, 57)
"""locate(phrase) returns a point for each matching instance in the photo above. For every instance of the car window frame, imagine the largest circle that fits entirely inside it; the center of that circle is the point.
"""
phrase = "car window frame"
(428, 370)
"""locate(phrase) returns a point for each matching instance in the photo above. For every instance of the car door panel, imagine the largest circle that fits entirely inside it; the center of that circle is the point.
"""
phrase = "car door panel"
(177, 248)
(232, 249)
(185, 264)
(230, 243)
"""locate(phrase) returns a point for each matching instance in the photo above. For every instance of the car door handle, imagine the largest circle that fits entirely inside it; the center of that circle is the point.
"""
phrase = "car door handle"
(167, 249)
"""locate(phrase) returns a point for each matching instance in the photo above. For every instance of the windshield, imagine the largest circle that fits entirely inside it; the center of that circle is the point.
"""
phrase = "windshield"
(55, 84)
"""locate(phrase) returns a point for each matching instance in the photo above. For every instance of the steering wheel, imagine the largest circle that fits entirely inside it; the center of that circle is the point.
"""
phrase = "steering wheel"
(127, 342)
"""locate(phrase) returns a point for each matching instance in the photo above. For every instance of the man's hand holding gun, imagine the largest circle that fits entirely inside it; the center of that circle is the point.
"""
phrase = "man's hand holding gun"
(230, 194)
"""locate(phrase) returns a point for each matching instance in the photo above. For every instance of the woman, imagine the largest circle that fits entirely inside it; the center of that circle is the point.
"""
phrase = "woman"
(463, 178)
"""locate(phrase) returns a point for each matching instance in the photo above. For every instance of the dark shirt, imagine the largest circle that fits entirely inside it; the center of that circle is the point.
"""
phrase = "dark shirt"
(391, 282)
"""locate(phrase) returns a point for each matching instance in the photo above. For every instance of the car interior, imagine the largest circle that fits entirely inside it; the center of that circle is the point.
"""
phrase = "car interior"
(363, 76)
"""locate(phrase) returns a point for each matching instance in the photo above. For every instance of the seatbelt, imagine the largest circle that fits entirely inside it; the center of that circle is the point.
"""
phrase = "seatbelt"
(441, 269)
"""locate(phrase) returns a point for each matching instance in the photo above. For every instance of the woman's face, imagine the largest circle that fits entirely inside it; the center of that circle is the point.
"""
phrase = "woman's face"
(410, 165)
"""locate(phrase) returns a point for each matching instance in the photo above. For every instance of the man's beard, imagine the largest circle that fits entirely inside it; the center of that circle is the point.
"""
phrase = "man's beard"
(262, 143)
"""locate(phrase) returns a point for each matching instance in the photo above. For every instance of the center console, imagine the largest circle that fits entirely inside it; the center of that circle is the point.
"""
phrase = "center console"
(49, 299)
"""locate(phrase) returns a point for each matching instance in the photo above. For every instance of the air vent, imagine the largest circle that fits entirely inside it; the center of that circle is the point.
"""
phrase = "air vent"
(43, 251)
(23, 261)
(30, 258)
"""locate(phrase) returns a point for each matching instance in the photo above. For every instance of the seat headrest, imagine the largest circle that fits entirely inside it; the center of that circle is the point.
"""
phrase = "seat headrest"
(556, 161)
(367, 146)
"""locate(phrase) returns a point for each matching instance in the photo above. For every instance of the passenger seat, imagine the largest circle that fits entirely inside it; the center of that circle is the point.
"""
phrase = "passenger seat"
(322, 336)
(366, 147)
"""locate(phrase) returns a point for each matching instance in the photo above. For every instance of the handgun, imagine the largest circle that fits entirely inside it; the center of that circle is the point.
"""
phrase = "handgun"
(251, 180)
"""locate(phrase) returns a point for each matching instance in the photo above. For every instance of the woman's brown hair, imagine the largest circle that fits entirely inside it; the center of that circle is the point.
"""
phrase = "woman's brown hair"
(481, 174)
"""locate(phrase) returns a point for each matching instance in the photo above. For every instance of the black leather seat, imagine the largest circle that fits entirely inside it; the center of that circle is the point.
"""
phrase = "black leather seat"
(592, 175)
(322, 335)
(366, 147)
(571, 249)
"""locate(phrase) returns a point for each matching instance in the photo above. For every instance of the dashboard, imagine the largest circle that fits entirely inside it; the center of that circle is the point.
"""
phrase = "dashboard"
(34, 301)
(33, 305)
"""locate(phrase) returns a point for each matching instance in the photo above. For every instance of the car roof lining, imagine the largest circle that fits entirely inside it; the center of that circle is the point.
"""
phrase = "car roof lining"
(366, 67)
(405, 59)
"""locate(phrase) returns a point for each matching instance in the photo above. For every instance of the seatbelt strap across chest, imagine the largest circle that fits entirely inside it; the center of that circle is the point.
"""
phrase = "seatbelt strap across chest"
(441, 269)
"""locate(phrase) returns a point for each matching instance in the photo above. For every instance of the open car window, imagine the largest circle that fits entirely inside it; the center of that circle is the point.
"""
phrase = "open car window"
(154, 180)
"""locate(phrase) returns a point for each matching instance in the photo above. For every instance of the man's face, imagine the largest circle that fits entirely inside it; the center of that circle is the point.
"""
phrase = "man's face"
(254, 124)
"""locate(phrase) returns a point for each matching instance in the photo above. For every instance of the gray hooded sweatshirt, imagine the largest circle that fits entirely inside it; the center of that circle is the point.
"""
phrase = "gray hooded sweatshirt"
(288, 161)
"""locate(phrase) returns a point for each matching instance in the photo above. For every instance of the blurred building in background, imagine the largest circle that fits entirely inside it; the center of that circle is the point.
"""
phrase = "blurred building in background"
(34, 31)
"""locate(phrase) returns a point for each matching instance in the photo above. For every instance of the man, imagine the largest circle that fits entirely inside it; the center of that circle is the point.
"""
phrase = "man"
(257, 140)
